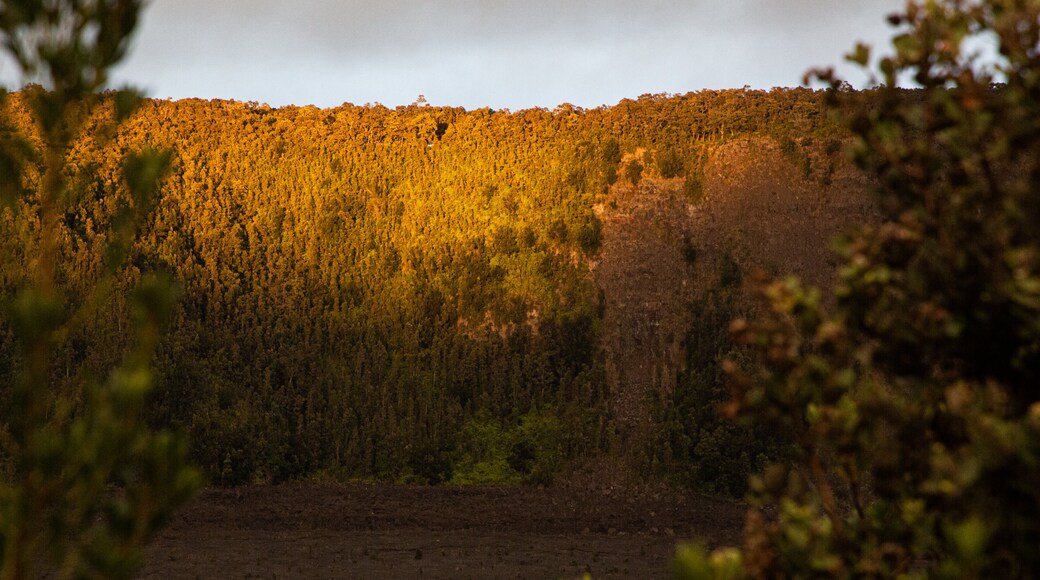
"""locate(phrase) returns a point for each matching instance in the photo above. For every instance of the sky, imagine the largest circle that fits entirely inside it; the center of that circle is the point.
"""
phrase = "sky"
(513, 54)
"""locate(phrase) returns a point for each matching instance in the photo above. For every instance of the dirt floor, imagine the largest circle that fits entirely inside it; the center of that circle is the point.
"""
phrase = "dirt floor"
(383, 531)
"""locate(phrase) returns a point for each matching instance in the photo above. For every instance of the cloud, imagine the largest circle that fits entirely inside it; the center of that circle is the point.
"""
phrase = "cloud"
(494, 53)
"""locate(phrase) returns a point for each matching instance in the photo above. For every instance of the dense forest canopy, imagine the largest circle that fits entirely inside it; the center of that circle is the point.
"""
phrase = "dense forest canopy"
(365, 289)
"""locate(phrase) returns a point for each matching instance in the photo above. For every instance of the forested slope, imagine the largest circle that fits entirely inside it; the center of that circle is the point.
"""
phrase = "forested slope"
(409, 293)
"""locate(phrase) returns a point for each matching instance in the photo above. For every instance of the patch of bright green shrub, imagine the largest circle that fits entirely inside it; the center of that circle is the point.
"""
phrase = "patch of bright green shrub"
(530, 451)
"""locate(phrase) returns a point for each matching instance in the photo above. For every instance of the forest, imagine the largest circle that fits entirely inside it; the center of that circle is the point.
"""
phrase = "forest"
(214, 292)
(397, 294)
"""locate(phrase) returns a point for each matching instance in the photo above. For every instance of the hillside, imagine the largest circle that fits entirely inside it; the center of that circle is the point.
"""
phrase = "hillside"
(670, 270)
(431, 294)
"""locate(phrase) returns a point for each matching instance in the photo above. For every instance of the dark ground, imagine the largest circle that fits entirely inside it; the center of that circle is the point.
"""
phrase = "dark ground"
(384, 531)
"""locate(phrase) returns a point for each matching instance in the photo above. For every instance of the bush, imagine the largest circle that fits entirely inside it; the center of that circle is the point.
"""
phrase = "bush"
(669, 164)
(914, 403)
(589, 234)
(693, 186)
(634, 172)
(529, 452)
(65, 446)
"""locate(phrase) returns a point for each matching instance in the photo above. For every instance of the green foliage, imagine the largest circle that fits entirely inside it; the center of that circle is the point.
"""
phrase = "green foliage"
(693, 563)
(669, 163)
(84, 482)
(693, 186)
(529, 452)
(634, 172)
(589, 235)
(795, 153)
(694, 444)
(611, 159)
(914, 401)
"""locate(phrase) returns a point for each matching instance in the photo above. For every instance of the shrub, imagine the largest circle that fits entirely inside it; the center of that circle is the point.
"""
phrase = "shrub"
(63, 450)
(529, 452)
(693, 186)
(669, 164)
(634, 172)
(589, 234)
(914, 401)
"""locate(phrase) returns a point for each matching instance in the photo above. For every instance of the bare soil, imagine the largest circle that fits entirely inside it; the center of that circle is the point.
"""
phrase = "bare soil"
(384, 531)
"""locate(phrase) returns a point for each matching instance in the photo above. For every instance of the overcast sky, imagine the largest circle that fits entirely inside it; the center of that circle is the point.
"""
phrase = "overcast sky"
(474, 53)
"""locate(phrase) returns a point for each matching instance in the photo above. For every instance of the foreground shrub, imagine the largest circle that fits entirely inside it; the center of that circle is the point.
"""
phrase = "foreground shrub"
(84, 482)
(914, 401)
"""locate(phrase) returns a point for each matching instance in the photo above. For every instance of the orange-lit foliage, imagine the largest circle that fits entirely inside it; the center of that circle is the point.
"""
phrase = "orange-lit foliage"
(359, 282)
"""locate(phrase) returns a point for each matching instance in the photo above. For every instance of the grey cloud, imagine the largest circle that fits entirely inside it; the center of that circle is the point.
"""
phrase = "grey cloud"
(475, 53)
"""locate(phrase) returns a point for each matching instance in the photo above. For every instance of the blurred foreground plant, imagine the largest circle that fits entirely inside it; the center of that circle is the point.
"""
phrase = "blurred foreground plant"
(914, 401)
(84, 483)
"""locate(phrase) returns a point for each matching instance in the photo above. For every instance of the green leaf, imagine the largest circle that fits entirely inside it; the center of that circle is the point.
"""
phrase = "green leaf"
(691, 563)
(126, 101)
(860, 55)
(969, 537)
(143, 172)
(131, 383)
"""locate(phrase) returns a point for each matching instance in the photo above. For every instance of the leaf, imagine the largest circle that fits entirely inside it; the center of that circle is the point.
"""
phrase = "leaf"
(143, 170)
(860, 55)
(969, 537)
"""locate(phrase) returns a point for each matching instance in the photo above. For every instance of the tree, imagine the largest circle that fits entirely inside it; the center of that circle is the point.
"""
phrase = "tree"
(914, 401)
(669, 163)
(634, 172)
(83, 481)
